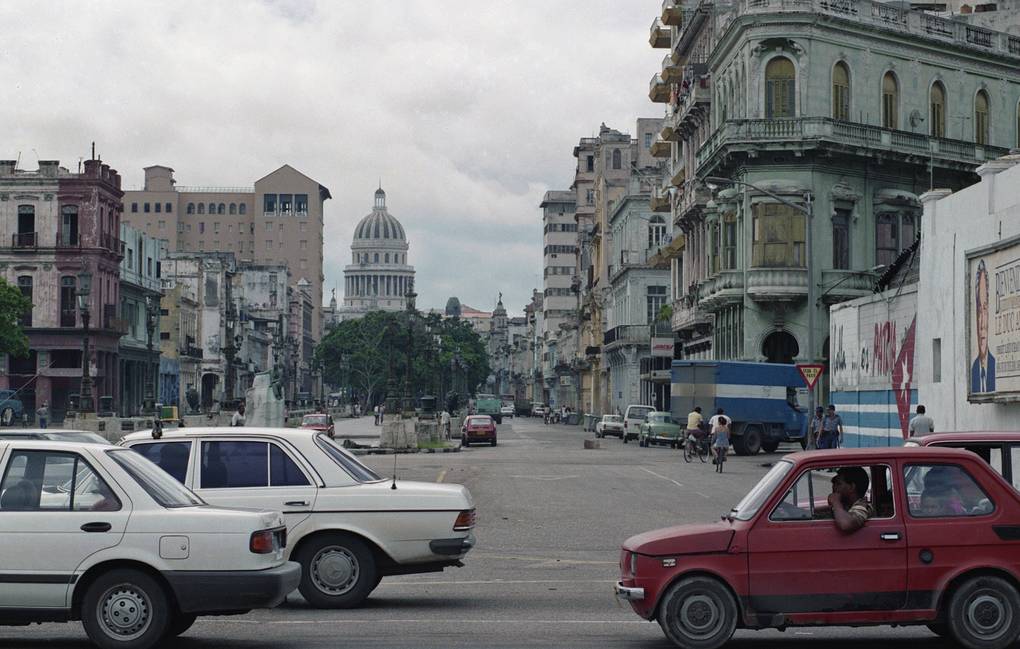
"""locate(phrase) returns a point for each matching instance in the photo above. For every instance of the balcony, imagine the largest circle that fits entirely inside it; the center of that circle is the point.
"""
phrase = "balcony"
(671, 71)
(693, 200)
(118, 326)
(690, 318)
(658, 90)
(658, 34)
(882, 16)
(668, 133)
(695, 93)
(25, 240)
(671, 13)
(192, 351)
(722, 289)
(691, 22)
(777, 284)
(659, 199)
(660, 148)
(843, 285)
(625, 335)
(111, 243)
(834, 136)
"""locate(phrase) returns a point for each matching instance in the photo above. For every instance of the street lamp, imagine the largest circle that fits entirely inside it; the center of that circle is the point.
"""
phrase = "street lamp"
(806, 209)
(85, 403)
(151, 311)
(408, 400)
(230, 352)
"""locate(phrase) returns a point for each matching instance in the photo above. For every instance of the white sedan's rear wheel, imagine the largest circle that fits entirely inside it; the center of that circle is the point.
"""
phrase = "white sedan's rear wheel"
(337, 571)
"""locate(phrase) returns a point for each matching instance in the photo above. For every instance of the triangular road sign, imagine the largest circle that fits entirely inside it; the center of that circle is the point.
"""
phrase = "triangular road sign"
(810, 372)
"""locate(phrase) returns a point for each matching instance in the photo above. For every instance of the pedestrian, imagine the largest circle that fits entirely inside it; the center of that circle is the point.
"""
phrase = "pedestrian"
(43, 414)
(715, 418)
(444, 419)
(721, 441)
(238, 418)
(375, 415)
(921, 424)
(832, 429)
(815, 429)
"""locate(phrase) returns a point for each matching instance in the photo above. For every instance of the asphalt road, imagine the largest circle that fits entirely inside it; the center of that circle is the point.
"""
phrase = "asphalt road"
(551, 517)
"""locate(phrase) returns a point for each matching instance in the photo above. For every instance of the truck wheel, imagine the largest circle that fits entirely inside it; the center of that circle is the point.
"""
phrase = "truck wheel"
(698, 613)
(749, 443)
(984, 613)
(770, 446)
(337, 571)
(125, 609)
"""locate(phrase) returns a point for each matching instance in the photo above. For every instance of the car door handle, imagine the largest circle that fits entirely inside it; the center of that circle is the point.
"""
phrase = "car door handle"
(96, 527)
(890, 536)
(296, 503)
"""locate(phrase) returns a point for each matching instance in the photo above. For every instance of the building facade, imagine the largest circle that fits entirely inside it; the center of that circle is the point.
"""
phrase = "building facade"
(140, 294)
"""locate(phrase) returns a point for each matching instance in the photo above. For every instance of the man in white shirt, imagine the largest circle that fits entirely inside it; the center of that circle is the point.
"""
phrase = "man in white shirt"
(444, 419)
(921, 424)
(238, 418)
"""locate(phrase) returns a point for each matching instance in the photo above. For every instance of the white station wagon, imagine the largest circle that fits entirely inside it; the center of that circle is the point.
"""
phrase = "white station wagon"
(96, 533)
(346, 525)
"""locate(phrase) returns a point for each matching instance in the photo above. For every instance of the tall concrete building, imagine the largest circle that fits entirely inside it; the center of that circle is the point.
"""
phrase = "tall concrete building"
(279, 220)
(378, 277)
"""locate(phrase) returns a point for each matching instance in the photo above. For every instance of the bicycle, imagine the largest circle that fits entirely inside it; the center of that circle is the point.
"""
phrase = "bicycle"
(695, 446)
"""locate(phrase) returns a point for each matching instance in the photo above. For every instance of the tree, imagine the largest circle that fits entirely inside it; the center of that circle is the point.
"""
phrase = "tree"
(13, 306)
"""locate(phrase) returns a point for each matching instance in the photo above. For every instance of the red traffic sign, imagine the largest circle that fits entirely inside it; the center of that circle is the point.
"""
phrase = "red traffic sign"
(810, 372)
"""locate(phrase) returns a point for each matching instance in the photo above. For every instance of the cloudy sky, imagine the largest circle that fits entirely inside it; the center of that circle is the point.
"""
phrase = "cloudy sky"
(467, 110)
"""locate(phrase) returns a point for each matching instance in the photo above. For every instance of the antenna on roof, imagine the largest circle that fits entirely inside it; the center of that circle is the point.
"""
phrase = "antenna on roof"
(93, 150)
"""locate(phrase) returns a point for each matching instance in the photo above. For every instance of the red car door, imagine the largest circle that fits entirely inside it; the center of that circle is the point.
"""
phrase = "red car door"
(800, 563)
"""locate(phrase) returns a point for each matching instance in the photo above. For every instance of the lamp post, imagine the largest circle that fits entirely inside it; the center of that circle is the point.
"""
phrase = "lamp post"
(85, 402)
(149, 398)
(408, 399)
(807, 211)
(229, 352)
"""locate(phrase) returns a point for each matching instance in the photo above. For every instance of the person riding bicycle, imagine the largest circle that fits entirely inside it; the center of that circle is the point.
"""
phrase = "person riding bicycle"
(695, 424)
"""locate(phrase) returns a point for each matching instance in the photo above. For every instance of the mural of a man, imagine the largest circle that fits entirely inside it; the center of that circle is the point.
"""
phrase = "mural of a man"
(982, 372)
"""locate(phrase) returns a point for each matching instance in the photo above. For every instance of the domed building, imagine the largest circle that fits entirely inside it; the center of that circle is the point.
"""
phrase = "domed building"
(378, 277)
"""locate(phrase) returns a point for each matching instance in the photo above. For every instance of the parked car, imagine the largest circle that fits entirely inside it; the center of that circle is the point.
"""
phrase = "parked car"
(320, 422)
(661, 428)
(507, 410)
(11, 408)
(1001, 450)
(522, 408)
(54, 434)
(96, 533)
(347, 526)
(478, 428)
(934, 554)
(539, 410)
(633, 417)
(609, 425)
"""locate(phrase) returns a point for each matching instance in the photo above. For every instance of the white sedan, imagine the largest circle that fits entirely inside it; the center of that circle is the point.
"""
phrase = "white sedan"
(96, 533)
(609, 425)
(346, 525)
(506, 411)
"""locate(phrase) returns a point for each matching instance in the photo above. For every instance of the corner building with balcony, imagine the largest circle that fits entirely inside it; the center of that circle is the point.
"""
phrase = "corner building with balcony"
(849, 109)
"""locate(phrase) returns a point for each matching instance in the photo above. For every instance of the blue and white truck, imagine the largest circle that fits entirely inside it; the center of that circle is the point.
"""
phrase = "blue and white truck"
(763, 400)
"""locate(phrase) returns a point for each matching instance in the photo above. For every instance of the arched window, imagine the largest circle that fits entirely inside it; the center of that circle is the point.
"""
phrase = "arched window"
(242, 209)
(841, 92)
(890, 100)
(937, 110)
(617, 159)
(221, 209)
(212, 208)
(201, 208)
(780, 88)
(233, 208)
(191, 208)
(981, 117)
(377, 257)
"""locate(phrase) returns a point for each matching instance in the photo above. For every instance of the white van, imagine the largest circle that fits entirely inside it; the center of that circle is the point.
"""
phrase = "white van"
(632, 420)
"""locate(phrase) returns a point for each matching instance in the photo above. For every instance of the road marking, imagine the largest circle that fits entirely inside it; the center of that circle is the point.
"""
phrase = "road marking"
(442, 475)
(659, 475)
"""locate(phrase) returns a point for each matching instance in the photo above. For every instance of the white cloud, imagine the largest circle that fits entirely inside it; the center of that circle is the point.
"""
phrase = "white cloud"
(467, 110)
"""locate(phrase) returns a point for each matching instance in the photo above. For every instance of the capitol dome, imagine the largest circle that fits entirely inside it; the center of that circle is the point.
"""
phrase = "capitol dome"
(379, 224)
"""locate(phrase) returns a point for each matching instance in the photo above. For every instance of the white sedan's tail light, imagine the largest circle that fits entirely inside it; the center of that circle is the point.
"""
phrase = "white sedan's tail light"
(465, 521)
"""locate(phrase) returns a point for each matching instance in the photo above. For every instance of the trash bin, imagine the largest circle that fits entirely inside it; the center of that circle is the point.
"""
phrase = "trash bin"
(573, 419)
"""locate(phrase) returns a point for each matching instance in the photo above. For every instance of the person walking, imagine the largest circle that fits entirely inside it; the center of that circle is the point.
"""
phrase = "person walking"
(921, 424)
(721, 440)
(43, 414)
(815, 429)
(444, 419)
(832, 429)
(375, 415)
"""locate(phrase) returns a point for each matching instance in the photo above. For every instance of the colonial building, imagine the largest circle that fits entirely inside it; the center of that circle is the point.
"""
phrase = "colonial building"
(58, 231)
(139, 361)
(378, 277)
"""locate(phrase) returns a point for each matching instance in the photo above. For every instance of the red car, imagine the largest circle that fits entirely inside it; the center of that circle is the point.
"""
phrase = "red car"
(319, 422)
(478, 428)
(941, 549)
(1000, 449)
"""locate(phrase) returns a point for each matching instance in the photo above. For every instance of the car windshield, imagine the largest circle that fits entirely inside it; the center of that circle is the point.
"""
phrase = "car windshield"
(613, 418)
(316, 420)
(752, 502)
(658, 418)
(347, 462)
(156, 482)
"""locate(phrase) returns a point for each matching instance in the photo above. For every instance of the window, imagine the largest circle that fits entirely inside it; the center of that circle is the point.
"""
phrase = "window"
(227, 465)
(283, 471)
(158, 207)
(269, 226)
(69, 225)
(160, 487)
(26, 236)
(286, 203)
(350, 464)
(648, 140)
(201, 227)
(172, 457)
(617, 159)
(303, 227)
(777, 236)
(936, 361)
(66, 479)
(887, 239)
(242, 209)
(841, 91)
(201, 208)
(805, 499)
(890, 100)
(780, 88)
(590, 166)
(729, 241)
(590, 197)
(1014, 458)
(145, 208)
(981, 117)
(168, 208)
(377, 257)
(212, 208)
(944, 491)
(301, 204)
(269, 245)
(656, 232)
(221, 209)
(655, 298)
(233, 208)
(191, 208)
(216, 227)
(68, 317)
(937, 111)
(134, 207)
(841, 239)
(25, 284)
